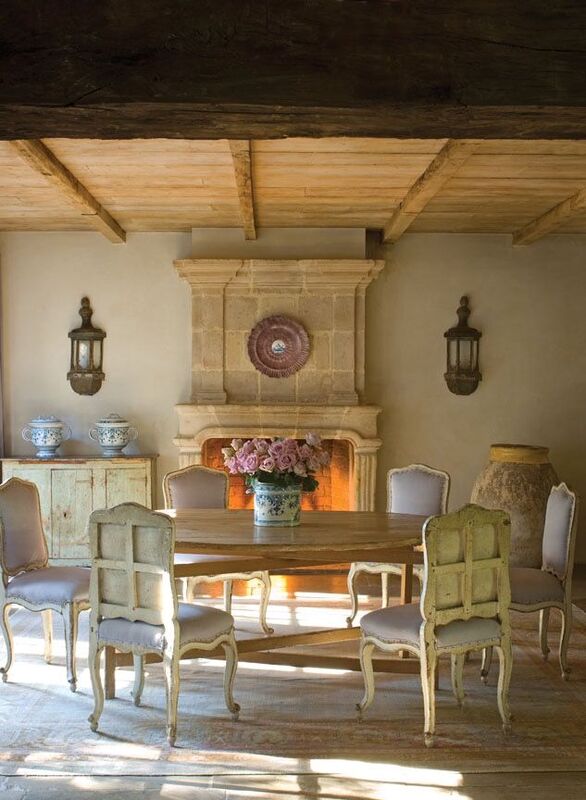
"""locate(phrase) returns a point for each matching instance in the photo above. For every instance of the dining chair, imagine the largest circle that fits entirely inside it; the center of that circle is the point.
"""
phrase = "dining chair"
(534, 589)
(416, 489)
(134, 605)
(202, 487)
(464, 606)
(28, 580)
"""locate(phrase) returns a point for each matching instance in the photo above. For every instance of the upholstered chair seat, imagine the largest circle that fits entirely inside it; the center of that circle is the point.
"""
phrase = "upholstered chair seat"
(403, 624)
(416, 489)
(27, 578)
(202, 487)
(529, 586)
(464, 607)
(134, 606)
(551, 586)
(196, 624)
(55, 585)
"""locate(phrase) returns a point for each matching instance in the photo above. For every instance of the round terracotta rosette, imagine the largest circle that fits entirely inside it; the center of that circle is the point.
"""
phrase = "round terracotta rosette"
(278, 346)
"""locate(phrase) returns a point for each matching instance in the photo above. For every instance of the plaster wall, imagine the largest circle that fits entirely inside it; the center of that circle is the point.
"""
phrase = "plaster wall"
(530, 304)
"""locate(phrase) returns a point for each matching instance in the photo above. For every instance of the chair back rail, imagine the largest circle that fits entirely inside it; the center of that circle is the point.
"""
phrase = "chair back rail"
(466, 566)
(23, 546)
(559, 532)
(417, 489)
(196, 486)
(132, 566)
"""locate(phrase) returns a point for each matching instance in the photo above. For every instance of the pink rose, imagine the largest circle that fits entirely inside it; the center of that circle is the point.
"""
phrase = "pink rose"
(251, 463)
(276, 448)
(267, 464)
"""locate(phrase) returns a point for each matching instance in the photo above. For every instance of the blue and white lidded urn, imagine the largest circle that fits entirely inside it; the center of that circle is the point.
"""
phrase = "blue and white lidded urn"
(113, 433)
(46, 433)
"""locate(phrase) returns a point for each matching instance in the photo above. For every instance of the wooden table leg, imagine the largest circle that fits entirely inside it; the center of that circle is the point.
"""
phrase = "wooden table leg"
(406, 592)
(110, 673)
(406, 583)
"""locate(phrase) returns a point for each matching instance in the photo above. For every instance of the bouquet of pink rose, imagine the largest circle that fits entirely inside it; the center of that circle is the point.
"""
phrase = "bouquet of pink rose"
(279, 462)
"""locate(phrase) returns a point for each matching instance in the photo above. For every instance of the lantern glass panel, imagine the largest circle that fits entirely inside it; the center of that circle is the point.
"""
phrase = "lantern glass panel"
(83, 354)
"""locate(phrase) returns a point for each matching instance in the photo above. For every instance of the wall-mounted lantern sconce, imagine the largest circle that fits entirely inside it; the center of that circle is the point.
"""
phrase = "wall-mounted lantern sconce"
(87, 352)
(462, 374)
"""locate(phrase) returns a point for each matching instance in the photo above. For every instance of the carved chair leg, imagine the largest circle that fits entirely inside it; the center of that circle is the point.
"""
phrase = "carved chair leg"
(543, 628)
(486, 662)
(351, 580)
(47, 617)
(265, 594)
(458, 677)
(8, 641)
(565, 640)
(171, 671)
(70, 619)
(231, 653)
(94, 659)
(228, 590)
(505, 652)
(428, 679)
(384, 579)
(366, 653)
(138, 685)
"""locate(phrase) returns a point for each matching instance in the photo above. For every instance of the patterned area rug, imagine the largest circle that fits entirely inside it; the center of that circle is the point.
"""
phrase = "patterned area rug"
(292, 720)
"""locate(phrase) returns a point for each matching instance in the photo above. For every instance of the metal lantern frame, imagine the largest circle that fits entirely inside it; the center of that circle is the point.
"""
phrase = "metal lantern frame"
(463, 345)
(87, 353)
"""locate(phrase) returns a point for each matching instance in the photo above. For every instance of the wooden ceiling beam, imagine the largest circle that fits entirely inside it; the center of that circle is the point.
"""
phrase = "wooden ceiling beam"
(242, 161)
(551, 220)
(444, 166)
(38, 156)
(466, 69)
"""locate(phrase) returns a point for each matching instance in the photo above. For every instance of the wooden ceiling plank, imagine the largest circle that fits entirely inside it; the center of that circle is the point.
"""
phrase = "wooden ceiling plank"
(551, 220)
(242, 160)
(43, 160)
(445, 164)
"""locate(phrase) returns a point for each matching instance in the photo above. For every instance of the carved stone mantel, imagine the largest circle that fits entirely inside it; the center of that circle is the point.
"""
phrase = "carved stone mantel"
(356, 424)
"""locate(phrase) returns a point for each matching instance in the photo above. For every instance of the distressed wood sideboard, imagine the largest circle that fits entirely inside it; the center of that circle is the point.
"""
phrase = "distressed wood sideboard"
(71, 488)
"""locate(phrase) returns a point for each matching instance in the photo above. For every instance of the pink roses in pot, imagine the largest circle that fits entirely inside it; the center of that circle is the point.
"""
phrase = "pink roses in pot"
(280, 462)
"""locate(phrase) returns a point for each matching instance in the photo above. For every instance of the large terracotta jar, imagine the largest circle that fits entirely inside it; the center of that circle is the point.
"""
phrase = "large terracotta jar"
(518, 479)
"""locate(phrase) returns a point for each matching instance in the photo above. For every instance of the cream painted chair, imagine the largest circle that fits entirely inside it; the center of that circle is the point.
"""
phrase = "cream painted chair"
(202, 487)
(134, 605)
(416, 489)
(551, 586)
(27, 578)
(464, 606)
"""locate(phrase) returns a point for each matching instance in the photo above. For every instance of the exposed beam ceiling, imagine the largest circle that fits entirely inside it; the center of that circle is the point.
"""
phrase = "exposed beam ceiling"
(443, 167)
(552, 219)
(43, 160)
(461, 68)
(242, 160)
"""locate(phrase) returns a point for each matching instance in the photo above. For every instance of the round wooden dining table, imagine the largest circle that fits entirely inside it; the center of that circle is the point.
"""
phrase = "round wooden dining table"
(322, 539)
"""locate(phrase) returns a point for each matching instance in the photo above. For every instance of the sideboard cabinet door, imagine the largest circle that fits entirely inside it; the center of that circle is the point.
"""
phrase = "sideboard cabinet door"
(70, 489)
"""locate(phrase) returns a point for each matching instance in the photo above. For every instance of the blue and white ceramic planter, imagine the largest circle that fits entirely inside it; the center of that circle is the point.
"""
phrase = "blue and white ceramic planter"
(277, 506)
(46, 433)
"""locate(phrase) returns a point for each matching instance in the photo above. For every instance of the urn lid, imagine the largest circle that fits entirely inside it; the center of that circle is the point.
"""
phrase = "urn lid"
(112, 421)
(49, 421)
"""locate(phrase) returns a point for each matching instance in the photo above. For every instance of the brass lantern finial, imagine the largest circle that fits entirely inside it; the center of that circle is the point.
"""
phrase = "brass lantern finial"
(85, 374)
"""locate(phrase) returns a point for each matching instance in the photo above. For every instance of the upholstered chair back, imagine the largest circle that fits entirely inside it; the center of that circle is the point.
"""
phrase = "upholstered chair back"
(22, 541)
(196, 487)
(417, 489)
(132, 565)
(466, 566)
(559, 532)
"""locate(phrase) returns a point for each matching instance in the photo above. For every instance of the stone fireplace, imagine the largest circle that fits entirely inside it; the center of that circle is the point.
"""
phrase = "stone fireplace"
(230, 398)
